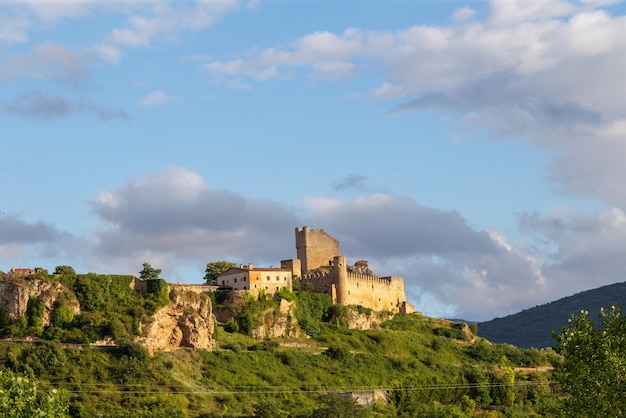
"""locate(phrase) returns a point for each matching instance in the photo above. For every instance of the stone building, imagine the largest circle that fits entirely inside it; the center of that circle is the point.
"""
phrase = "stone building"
(254, 279)
(321, 268)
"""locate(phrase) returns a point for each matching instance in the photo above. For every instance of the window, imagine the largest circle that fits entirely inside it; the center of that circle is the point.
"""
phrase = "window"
(268, 278)
(223, 281)
(277, 278)
(255, 286)
(243, 279)
(235, 280)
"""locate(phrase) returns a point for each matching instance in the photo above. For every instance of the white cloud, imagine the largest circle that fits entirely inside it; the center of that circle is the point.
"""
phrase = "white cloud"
(463, 14)
(156, 98)
(175, 213)
(547, 72)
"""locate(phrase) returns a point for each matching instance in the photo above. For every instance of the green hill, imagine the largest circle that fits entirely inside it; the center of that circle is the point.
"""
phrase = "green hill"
(533, 327)
(415, 365)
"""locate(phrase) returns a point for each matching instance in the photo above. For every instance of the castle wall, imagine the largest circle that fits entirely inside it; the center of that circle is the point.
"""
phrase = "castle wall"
(315, 248)
(320, 283)
(377, 293)
(369, 291)
(294, 265)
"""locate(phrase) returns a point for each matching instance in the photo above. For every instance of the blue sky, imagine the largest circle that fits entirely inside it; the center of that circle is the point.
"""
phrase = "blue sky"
(475, 148)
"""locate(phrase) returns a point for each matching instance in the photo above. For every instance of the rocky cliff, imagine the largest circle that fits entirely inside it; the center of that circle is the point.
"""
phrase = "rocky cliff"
(186, 322)
(281, 323)
(16, 291)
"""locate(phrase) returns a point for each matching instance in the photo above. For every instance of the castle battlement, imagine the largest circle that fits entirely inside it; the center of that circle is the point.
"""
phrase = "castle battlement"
(315, 248)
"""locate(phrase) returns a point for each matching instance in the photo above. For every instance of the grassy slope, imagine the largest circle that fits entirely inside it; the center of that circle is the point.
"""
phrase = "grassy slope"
(234, 381)
(430, 366)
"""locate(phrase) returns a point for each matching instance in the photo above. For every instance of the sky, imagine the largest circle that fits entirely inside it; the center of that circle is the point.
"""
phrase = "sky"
(475, 148)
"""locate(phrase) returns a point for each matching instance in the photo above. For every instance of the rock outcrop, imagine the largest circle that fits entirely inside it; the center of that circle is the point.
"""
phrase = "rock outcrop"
(281, 323)
(361, 321)
(186, 322)
(15, 293)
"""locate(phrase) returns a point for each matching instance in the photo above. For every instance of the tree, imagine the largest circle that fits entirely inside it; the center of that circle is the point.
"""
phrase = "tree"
(216, 268)
(19, 397)
(593, 370)
(338, 405)
(64, 270)
(41, 271)
(149, 273)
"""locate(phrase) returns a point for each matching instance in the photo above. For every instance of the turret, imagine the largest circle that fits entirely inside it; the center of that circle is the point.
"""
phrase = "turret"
(340, 270)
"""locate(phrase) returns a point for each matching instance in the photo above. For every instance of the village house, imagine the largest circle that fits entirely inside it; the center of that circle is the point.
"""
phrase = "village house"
(255, 279)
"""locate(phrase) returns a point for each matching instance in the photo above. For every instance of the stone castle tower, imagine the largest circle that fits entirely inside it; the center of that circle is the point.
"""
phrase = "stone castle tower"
(345, 285)
(315, 248)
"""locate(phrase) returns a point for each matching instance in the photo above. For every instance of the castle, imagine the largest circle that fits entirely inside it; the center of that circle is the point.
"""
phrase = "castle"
(320, 267)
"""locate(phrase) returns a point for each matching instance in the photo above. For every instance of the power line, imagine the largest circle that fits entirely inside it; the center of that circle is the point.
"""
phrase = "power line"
(283, 390)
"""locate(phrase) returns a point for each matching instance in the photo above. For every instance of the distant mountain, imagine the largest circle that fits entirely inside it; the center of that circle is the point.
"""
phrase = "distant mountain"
(533, 327)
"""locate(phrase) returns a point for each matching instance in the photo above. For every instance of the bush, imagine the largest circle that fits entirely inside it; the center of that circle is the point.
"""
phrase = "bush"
(450, 333)
(62, 316)
(311, 309)
(35, 309)
(231, 325)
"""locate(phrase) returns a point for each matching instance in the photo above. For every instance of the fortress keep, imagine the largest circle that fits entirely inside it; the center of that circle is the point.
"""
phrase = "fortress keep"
(321, 268)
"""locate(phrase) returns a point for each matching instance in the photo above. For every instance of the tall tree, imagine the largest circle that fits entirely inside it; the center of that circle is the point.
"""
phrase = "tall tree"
(149, 273)
(593, 371)
(215, 268)
(64, 270)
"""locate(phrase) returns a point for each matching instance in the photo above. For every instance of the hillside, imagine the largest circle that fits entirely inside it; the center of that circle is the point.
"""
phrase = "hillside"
(319, 366)
(533, 327)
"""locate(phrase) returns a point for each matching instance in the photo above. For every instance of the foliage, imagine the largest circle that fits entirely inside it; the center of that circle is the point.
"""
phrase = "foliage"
(149, 273)
(158, 291)
(62, 315)
(450, 332)
(311, 310)
(21, 397)
(41, 271)
(593, 371)
(214, 269)
(339, 405)
(231, 325)
(64, 270)
(5, 320)
(35, 309)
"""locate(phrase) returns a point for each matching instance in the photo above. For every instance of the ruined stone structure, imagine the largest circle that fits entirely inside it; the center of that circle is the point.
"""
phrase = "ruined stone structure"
(317, 249)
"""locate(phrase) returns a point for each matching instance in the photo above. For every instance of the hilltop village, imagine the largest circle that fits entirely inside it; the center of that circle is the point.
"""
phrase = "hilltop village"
(320, 267)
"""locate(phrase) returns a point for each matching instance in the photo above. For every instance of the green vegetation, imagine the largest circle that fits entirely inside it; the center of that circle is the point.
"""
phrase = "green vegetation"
(20, 398)
(108, 307)
(215, 268)
(427, 367)
(534, 327)
(593, 371)
(149, 273)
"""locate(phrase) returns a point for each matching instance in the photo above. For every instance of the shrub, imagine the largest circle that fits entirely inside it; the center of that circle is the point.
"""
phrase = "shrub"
(231, 325)
(62, 316)
(450, 333)
(35, 309)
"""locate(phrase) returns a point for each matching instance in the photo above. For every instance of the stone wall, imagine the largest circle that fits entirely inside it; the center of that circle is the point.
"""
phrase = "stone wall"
(369, 291)
(315, 248)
